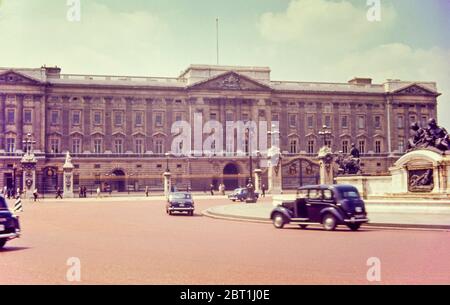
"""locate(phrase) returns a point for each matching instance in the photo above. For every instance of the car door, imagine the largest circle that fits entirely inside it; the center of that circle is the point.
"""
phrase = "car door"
(315, 204)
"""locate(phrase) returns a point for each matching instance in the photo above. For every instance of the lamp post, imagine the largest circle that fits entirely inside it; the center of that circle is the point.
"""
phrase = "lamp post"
(251, 198)
(275, 162)
(14, 178)
(167, 162)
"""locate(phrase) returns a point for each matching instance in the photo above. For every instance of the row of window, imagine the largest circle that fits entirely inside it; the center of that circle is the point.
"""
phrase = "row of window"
(327, 121)
(345, 146)
(159, 145)
(11, 116)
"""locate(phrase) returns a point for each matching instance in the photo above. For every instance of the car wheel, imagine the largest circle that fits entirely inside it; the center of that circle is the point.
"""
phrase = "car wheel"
(170, 212)
(303, 226)
(354, 226)
(242, 199)
(329, 222)
(191, 213)
(2, 243)
(279, 220)
(234, 200)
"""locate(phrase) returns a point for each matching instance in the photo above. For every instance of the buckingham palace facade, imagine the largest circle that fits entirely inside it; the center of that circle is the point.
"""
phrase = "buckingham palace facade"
(118, 128)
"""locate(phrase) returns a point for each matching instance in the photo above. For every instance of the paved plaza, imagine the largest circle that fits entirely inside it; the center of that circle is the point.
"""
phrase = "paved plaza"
(123, 240)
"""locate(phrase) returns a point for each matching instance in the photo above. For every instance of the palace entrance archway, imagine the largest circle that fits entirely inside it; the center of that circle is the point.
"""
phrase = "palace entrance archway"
(231, 176)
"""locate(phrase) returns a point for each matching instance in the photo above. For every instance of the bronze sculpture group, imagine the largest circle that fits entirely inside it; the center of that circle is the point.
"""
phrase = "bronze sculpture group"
(432, 136)
(349, 165)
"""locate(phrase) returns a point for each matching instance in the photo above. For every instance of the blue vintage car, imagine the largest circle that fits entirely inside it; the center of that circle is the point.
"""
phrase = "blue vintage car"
(9, 223)
(328, 205)
(240, 194)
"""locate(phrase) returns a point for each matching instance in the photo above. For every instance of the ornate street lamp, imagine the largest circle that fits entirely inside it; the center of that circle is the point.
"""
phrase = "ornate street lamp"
(325, 133)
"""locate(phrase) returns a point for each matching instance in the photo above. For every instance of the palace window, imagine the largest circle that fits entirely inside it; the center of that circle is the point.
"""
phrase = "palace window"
(361, 122)
(377, 122)
(54, 117)
(412, 119)
(400, 122)
(401, 145)
(423, 122)
(159, 146)
(76, 146)
(275, 117)
(229, 117)
(139, 118)
(345, 145)
(98, 146)
(118, 118)
(310, 121)
(327, 121)
(213, 116)
(76, 117)
(328, 143)
(293, 120)
(362, 146)
(245, 117)
(139, 146)
(97, 117)
(10, 117)
(310, 147)
(118, 146)
(293, 146)
(344, 121)
(27, 116)
(178, 117)
(54, 146)
(10, 145)
(378, 147)
(159, 120)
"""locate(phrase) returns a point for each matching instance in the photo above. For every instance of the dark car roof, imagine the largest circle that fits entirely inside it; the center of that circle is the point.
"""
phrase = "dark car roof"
(337, 187)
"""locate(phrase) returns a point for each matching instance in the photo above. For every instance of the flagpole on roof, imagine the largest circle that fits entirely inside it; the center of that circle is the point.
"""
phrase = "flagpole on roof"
(217, 39)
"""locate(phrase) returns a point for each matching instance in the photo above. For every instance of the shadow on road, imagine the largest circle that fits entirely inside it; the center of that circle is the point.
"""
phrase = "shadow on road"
(13, 249)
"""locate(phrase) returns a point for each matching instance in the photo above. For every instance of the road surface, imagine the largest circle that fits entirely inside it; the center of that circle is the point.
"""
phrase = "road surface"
(133, 241)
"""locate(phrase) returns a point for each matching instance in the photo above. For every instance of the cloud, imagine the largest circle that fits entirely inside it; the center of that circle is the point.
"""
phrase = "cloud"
(104, 41)
(400, 61)
(323, 22)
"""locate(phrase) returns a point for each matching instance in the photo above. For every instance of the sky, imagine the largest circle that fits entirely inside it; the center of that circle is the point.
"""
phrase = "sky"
(300, 40)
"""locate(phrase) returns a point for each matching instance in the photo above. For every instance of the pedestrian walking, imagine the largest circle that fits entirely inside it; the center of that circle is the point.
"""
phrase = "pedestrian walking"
(35, 195)
(263, 190)
(58, 193)
(98, 192)
(211, 188)
(18, 205)
(146, 191)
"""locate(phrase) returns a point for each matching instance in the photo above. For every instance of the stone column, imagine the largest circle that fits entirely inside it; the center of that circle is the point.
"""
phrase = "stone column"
(167, 183)
(68, 177)
(326, 165)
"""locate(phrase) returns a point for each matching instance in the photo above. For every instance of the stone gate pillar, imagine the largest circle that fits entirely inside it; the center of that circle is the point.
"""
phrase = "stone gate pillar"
(68, 177)
(258, 172)
(274, 171)
(326, 165)
(167, 183)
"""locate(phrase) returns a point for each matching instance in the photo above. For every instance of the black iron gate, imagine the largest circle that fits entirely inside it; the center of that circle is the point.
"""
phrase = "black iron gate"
(299, 172)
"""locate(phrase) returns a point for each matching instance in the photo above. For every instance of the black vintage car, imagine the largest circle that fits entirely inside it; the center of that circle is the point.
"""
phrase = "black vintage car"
(180, 202)
(329, 205)
(9, 223)
(240, 194)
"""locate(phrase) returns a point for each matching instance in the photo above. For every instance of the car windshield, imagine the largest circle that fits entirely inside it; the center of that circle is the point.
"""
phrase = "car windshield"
(349, 194)
(3, 205)
(180, 196)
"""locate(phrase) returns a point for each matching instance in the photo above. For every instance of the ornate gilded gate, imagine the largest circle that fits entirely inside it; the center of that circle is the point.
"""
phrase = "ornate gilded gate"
(299, 171)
